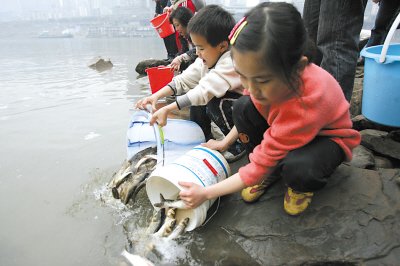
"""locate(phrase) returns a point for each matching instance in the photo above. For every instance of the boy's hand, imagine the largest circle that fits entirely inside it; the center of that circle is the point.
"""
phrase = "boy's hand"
(141, 104)
(193, 195)
(160, 117)
(218, 145)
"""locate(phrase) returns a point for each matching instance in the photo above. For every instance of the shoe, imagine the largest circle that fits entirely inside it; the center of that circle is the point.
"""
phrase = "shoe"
(234, 153)
(252, 194)
(296, 202)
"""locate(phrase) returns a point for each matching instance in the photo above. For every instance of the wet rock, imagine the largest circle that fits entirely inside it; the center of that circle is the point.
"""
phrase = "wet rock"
(355, 219)
(382, 162)
(100, 64)
(361, 123)
(380, 142)
(362, 158)
(141, 67)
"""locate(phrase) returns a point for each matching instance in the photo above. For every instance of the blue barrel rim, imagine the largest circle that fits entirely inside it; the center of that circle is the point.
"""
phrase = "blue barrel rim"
(389, 57)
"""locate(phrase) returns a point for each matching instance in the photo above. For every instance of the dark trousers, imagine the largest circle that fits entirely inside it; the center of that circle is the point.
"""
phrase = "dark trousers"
(170, 46)
(388, 10)
(305, 169)
(334, 26)
(218, 110)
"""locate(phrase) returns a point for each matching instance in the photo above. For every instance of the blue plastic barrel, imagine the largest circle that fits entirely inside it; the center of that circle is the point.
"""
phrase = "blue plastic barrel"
(381, 91)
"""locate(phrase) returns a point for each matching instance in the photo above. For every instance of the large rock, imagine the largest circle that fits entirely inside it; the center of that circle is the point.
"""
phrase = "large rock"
(100, 64)
(355, 219)
(362, 158)
(143, 65)
(380, 142)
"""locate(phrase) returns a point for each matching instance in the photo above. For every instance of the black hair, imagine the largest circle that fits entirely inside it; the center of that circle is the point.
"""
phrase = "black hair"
(182, 14)
(213, 23)
(277, 31)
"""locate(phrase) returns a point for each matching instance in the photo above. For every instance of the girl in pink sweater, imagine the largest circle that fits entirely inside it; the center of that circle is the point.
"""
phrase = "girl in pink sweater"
(294, 120)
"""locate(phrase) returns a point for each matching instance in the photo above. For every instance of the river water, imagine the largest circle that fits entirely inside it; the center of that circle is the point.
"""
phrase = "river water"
(62, 135)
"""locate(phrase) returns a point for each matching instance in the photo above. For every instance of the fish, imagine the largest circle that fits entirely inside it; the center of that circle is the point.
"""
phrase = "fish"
(139, 187)
(168, 225)
(139, 173)
(130, 167)
(179, 229)
(166, 203)
(136, 260)
(156, 221)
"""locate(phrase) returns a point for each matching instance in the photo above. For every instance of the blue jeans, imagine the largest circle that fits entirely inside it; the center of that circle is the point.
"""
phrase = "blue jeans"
(334, 26)
(388, 9)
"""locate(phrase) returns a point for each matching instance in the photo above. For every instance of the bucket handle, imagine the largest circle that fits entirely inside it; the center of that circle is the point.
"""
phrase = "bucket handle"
(156, 27)
(389, 37)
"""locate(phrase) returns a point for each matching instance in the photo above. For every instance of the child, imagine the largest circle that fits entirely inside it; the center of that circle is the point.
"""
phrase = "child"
(210, 85)
(295, 122)
(180, 18)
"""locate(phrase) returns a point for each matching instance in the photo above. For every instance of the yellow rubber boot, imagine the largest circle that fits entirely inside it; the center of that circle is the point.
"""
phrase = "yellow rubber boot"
(295, 203)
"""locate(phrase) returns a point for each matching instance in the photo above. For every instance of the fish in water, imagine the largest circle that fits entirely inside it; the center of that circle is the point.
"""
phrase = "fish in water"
(179, 229)
(166, 203)
(131, 166)
(136, 260)
(168, 225)
(156, 221)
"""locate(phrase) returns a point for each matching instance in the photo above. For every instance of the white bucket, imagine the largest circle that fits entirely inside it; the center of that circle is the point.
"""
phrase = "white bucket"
(200, 165)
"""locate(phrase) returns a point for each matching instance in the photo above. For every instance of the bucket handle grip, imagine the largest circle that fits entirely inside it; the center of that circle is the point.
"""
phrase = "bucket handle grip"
(156, 27)
(389, 37)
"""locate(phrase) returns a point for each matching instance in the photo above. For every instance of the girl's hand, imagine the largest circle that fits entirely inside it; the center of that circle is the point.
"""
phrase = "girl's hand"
(218, 145)
(176, 63)
(141, 104)
(193, 195)
(160, 117)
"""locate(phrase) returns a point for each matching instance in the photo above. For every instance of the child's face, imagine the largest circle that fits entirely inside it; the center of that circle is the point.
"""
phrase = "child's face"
(179, 28)
(208, 53)
(262, 83)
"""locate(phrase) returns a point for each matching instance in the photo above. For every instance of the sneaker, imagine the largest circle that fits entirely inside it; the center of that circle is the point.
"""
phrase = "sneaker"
(296, 202)
(252, 194)
(234, 153)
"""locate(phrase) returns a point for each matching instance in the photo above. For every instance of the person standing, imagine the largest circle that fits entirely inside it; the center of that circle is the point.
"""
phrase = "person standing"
(334, 26)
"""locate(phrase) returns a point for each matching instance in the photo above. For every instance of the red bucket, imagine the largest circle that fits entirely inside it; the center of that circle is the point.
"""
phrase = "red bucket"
(162, 25)
(159, 77)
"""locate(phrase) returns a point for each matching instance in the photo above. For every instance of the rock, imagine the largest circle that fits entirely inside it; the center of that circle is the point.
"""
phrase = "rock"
(361, 123)
(100, 64)
(141, 67)
(354, 220)
(362, 158)
(356, 98)
(397, 180)
(395, 135)
(382, 162)
(379, 142)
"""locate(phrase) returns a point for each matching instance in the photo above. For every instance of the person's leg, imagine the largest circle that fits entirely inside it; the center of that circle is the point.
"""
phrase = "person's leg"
(338, 35)
(308, 169)
(249, 123)
(386, 12)
(198, 115)
(311, 19)
(170, 45)
(251, 127)
(219, 110)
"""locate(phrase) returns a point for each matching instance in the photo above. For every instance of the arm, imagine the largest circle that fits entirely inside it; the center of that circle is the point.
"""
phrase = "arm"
(194, 195)
(222, 145)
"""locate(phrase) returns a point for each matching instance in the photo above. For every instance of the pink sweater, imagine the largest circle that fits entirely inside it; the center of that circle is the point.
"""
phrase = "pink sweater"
(320, 110)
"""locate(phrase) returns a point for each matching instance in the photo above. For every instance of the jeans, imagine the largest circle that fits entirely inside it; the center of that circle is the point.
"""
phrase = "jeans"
(305, 169)
(388, 9)
(335, 26)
